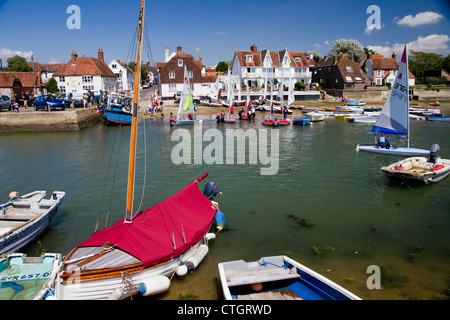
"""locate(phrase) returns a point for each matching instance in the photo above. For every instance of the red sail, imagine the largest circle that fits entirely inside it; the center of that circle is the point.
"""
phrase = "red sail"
(163, 231)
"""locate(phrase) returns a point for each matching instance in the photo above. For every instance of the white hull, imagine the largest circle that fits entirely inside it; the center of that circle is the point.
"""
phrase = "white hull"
(315, 116)
(394, 151)
(417, 168)
(104, 289)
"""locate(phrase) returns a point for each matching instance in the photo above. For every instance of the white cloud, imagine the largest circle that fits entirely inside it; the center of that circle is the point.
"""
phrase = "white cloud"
(427, 17)
(372, 28)
(219, 32)
(327, 42)
(317, 46)
(198, 49)
(437, 43)
(54, 60)
(8, 53)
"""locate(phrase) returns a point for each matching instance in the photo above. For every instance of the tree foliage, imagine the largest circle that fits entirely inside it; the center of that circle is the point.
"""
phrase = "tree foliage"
(18, 63)
(421, 61)
(350, 48)
(222, 66)
(52, 85)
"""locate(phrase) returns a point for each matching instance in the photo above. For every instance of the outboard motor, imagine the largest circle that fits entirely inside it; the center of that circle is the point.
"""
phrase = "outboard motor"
(434, 153)
(211, 191)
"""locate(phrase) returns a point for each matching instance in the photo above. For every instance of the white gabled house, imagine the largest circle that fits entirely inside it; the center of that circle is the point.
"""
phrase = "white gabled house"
(125, 76)
(86, 74)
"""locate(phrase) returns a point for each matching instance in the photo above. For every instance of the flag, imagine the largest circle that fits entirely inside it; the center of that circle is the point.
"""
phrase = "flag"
(249, 106)
(188, 102)
(231, 108)
(271, 108)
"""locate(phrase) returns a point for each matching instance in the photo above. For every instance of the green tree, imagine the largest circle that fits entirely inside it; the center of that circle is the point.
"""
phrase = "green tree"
(18, 63)
(421, 61)
(222, 66)
(52, 86)
(350, 48)
(144, 70)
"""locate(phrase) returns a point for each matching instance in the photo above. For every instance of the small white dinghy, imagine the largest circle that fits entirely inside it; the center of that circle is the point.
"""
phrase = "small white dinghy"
(427, 170)
(27, 278)
(23, 218)
(277, 278)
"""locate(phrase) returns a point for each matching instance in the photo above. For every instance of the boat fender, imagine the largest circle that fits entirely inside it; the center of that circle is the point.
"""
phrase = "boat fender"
(153, 285)
(210, 236)
(211, 190)
(182, 270)
(117, 294)
(219, 220)
(50, 295)
(197, 257)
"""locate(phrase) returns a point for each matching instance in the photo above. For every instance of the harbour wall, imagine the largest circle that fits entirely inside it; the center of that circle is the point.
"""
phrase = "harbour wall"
(68, 120)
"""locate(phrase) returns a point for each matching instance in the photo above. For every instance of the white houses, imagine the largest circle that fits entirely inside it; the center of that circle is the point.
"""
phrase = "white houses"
(125, 76)
(255, 66)
(86, 74)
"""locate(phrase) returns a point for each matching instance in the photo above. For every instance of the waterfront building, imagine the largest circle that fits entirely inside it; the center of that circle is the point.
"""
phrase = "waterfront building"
(255, 66)
(125, 76)
(382, 71)
(171, 74)
(86, 74)
(14, 82)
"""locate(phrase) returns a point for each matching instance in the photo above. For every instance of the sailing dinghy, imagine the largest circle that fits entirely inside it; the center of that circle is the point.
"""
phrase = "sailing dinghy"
(185, 106)
(141, 252)
(394, 118)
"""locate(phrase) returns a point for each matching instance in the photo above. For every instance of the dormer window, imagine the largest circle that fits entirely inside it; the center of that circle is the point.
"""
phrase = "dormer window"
(297, 59)
(249, 58)
(180, 63)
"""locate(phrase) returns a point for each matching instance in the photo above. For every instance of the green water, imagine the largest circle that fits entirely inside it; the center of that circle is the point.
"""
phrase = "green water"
(355, 209)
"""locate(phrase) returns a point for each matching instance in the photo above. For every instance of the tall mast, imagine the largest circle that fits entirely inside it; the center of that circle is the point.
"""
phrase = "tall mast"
(132, 160)
(407, 91)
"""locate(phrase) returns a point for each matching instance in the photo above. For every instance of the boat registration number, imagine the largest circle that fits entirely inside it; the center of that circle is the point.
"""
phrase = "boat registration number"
(26, 276)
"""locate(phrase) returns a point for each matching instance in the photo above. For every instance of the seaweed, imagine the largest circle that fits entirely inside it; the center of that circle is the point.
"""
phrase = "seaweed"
(391, 278)
(323, 251)
(300, 221)
(187, 296)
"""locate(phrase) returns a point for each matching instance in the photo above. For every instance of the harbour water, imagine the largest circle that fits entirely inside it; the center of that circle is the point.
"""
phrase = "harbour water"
(352, 208)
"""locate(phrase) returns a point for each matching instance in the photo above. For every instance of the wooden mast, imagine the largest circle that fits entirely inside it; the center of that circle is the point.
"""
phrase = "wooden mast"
(132, 160)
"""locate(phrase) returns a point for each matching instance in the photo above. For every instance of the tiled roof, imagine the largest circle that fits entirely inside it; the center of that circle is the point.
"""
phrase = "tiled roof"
(298, 59)
(385, 63)
(85, 66)
(26, 79)
(38, 67)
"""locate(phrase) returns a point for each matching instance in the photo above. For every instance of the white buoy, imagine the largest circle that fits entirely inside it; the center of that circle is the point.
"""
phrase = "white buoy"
(154, 285)
(210, 236)
(197, 257)
(182, 270)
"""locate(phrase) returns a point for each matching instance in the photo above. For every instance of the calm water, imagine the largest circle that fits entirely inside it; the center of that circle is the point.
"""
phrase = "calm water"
(355, 209)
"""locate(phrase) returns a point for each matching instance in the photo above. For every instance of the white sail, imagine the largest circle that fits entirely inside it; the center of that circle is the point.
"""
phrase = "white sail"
(214, 93)
(291, 98)
(394, 118)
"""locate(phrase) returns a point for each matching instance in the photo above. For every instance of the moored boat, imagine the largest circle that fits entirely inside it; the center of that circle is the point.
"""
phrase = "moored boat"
(27, 278)
(301, 121)
(23, 218)
(315, 116)
(277, 278)
(426, 170)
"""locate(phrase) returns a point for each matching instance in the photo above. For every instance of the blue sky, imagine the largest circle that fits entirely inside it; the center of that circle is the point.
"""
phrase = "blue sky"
(218, 28)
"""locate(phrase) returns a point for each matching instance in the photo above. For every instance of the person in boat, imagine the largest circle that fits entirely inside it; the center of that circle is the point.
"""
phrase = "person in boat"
(383, 142)
(218, 118)
(190, 116)
(240, 113)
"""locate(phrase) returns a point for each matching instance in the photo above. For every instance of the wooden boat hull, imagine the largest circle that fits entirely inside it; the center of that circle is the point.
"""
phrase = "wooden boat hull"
(419, 169)
(23, 219)
(27, 278)
(277, 278)
(112, 285)
(394, 151)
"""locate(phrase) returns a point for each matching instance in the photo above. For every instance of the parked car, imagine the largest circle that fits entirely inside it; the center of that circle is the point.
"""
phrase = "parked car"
(48, 101)
(5, 103)
(71, 101)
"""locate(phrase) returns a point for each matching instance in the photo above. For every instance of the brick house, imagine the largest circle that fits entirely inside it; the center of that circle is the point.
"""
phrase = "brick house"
(12, 82)
(125, 76)
(86, 74)
(382, 71)
(339, 72)
(171, 74)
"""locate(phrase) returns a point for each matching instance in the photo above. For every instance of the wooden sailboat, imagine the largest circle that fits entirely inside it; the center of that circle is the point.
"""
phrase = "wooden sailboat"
(141, 252)
(394, 118)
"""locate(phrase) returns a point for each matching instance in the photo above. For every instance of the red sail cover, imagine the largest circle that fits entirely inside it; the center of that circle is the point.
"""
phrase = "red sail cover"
(181, 221)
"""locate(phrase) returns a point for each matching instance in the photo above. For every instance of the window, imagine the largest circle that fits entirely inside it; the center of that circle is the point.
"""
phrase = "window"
(180, 62)
(378, 72)
(114, 66)
(358, 79)
(297, 59)
(88, 78)
(348, 79)
(172, 87)
(88, 88)
(349, 68)
(249, 58)
(62, 79)
(190, 74)
(171, 75)
(62, 89)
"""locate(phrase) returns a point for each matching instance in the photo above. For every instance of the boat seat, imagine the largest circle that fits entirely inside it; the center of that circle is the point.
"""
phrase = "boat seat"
(241, 277)
(270, 295)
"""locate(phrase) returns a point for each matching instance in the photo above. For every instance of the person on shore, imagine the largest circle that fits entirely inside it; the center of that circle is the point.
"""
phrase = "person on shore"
(26, 98)
(240, 113)
(15, 105)
(383, 142)
(85, 100)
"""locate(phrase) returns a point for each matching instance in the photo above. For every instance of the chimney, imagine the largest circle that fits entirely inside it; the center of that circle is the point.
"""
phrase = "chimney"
(179, 50)
(394, 55)
(74, 57)
(254, 48)
(100, 55)
(200, 58)
(166, 54)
